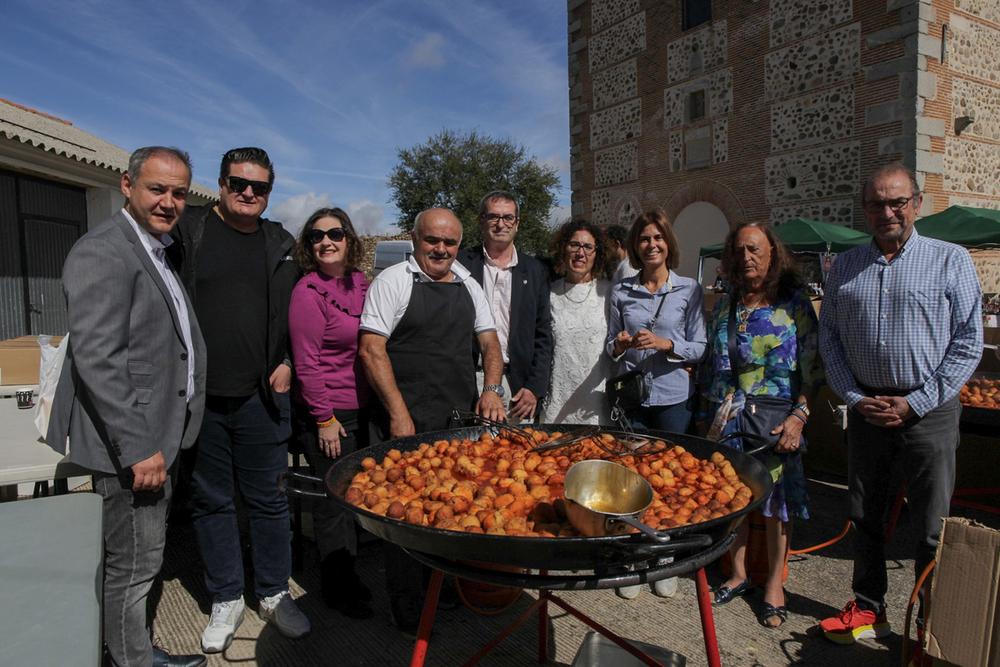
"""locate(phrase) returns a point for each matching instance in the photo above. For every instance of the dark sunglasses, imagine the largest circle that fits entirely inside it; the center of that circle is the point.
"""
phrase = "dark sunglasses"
(337, 234)
(237, 184)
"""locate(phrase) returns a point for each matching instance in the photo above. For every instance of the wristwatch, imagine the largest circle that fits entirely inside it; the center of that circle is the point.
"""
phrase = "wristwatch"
(495, 388)
(802, 407)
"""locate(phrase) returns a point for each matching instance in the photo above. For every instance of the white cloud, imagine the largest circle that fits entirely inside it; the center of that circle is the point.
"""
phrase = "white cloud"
(426, 54)
(294, 211)
(367, 218)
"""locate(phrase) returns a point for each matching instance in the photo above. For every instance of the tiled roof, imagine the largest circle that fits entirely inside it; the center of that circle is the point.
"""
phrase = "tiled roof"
(60, 137)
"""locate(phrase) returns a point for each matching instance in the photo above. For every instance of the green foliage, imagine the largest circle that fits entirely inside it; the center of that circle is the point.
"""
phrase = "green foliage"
(455, 170)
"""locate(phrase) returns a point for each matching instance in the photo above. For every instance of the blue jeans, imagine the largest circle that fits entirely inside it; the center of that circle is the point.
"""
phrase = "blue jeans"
(240, 438)
(135, 532)
(671, 418)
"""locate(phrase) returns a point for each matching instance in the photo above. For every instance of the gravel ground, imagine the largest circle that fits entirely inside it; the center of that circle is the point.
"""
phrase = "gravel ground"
(818, 586)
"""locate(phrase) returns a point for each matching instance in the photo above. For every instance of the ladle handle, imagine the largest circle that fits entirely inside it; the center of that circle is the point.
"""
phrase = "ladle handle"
(662, 538)
(295, 491)
(749, 436)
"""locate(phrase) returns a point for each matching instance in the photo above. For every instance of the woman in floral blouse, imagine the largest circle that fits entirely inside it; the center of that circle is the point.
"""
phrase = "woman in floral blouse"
(777, 340)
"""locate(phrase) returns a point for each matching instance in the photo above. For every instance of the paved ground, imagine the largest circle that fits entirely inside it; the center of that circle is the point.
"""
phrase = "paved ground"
(817, 586)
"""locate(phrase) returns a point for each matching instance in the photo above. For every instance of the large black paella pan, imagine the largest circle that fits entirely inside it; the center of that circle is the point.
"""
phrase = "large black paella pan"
(551, 553)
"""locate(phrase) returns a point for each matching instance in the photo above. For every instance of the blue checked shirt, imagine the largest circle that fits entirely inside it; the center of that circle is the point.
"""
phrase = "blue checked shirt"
(913, 325)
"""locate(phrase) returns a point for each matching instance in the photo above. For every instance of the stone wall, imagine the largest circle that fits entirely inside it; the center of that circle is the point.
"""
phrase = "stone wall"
(605, 12)
(840, 212)
(958, 200)
(982, 102)
(971, 167)
(974, 49)
(794, 19)
(718, 87)
(618, 42)
(615, 84)
(617, 164)
(829, 171)
(816, 118)
(619, 123)
(697, 51)
(819, 61)
(720, 140)
(984, 9)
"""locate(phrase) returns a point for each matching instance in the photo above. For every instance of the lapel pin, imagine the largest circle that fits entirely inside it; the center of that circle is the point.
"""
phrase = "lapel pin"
(525, 281)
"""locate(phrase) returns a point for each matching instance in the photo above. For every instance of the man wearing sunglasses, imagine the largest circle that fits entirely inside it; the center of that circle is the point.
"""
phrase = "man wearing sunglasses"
(517, 288)
(239, 272)
(900, 333)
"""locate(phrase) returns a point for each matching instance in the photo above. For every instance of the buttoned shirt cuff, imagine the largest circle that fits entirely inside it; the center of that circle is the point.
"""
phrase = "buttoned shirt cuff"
(919, 402)
(851, 397)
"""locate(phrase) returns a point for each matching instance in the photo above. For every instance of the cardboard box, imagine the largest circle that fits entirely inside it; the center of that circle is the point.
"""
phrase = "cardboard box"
(21, 359)
(963, 626)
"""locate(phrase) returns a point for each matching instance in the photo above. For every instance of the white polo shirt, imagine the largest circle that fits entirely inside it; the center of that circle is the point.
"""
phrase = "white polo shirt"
(389, 296)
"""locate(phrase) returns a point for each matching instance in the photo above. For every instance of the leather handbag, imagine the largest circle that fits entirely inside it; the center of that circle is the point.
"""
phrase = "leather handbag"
(628, 391)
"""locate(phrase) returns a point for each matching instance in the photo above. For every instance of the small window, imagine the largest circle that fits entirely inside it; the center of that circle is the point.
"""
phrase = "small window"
(696, 105)
(695, 12)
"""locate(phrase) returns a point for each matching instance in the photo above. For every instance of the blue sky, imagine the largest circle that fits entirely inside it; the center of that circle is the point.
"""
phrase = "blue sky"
(330, 89)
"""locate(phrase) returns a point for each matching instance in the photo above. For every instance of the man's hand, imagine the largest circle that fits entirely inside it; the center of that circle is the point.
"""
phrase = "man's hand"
(898, 410)
(791, 432)
(281, 379)
(329, 439)
(490, 406)
(523, 404)
(149, 474)
(401, 426)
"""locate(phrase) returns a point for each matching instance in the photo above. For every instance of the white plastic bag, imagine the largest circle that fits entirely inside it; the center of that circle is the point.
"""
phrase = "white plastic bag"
(48, 378)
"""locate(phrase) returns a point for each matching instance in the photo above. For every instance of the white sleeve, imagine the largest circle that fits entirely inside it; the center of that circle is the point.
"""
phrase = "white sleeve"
(382, 305)
(484, 318)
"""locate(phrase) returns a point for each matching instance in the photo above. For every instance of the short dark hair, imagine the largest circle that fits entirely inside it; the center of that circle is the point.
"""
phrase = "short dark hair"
(303, 252)
(617, 234)
(892, 168)
(140, 155)
(604, 258)
(252, 155)
(660, 220)
(501, 195)
(783, 276)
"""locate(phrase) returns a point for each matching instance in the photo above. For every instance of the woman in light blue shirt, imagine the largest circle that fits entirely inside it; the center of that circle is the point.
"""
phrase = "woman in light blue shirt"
(665, 346)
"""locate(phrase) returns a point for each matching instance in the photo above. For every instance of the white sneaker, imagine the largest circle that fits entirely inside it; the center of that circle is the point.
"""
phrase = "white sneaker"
(280, 611)
(665, 588)
(226, 618)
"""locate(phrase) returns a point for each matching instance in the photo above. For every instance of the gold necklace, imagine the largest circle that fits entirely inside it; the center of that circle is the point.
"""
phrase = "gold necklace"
(590, 288)
(743, 313)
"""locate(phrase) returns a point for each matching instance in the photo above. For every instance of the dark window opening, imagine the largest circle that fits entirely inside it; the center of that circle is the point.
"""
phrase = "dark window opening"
(696, 105)
(695, 12)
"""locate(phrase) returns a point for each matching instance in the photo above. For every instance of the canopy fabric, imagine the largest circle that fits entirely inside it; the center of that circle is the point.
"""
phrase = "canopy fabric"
(800, 235)
(963, 225)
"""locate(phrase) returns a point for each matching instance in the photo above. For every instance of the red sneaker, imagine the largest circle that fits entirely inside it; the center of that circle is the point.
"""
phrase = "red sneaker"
(854, 623)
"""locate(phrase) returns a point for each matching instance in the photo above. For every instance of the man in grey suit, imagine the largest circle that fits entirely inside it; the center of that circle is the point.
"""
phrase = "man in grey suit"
(132, 391)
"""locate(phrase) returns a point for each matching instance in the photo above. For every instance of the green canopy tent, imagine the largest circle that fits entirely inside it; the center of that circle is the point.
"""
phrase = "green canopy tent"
(801, 236)
(963, 225)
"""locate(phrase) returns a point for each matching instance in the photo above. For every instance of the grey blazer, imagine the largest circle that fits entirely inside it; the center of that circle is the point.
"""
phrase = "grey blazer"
(121, 396)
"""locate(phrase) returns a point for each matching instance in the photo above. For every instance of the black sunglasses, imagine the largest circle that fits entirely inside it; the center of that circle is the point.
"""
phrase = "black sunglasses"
(237, 184)
(337, 234)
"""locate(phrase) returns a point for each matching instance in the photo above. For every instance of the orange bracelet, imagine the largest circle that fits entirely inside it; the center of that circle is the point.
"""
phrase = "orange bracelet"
(329, 422)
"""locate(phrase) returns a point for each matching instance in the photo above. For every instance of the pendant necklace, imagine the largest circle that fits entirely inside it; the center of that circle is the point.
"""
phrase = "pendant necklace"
(590, 289)
(743, 313)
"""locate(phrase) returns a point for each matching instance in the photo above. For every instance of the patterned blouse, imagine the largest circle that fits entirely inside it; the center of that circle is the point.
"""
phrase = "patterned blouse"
(778, 351)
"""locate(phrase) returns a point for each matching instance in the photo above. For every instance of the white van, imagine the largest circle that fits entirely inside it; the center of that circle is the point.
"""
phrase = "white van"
(388, 253)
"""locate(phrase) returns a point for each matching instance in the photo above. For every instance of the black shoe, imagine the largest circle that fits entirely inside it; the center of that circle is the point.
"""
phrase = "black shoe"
(770, 611)
(404, 613)
(341, 588)
(448, 599)
(163, 659)
(725, 594)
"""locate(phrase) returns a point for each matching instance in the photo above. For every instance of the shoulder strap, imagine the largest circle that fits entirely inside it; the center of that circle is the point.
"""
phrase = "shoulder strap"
(731, 337)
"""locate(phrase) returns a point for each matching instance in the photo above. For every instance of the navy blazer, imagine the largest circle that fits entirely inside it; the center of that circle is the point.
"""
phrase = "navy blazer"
(529, 345)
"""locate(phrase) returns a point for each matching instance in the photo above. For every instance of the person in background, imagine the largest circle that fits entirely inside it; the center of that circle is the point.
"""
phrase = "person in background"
(579, 301)
(900, 332)
(132, 390)
(776, 344)
(330, 390)
(517, 289)
(618, 235)
(237, 267)
(656, 323)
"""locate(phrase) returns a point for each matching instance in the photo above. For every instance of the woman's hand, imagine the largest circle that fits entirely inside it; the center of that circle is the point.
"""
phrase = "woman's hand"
(647, 340)
(791, 432)
(329, 439)
(623, 341)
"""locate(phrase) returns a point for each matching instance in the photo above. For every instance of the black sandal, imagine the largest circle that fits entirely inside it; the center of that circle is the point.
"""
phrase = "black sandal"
(770, 611)
(725, 594)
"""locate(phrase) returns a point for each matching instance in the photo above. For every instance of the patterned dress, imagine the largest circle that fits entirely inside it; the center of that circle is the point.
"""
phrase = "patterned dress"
(778, 355)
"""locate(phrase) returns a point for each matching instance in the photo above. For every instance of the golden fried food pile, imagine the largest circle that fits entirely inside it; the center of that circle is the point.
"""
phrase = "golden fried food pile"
(496, 486)
(980, 394)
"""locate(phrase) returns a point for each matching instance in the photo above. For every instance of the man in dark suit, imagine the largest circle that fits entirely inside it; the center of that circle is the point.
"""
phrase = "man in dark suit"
(132, 390)
(517, 289)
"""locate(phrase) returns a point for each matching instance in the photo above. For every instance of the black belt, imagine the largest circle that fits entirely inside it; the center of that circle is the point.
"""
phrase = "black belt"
(874, 391)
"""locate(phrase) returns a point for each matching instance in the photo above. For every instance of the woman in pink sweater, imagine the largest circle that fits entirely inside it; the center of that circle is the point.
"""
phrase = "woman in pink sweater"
(330, 391)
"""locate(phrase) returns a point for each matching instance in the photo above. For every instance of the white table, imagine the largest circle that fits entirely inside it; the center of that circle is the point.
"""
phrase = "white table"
(24, 459)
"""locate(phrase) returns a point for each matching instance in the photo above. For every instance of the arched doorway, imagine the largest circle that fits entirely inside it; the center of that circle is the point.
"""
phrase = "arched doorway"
(699, 224)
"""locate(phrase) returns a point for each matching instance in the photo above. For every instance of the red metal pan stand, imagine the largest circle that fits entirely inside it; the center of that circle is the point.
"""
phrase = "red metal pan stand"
(546, 583)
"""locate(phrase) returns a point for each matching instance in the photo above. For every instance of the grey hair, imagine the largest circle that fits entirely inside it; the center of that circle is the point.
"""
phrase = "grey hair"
(140, 155)
(501, 195)
(892, 168)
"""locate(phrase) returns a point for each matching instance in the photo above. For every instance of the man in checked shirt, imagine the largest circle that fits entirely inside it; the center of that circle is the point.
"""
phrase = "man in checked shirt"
(900, 333)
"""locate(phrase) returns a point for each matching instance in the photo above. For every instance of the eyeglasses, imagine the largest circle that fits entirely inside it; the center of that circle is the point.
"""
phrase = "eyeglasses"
(237, 184)
(505, 219)
(336, 234)
(587, 248)
(895, 205)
